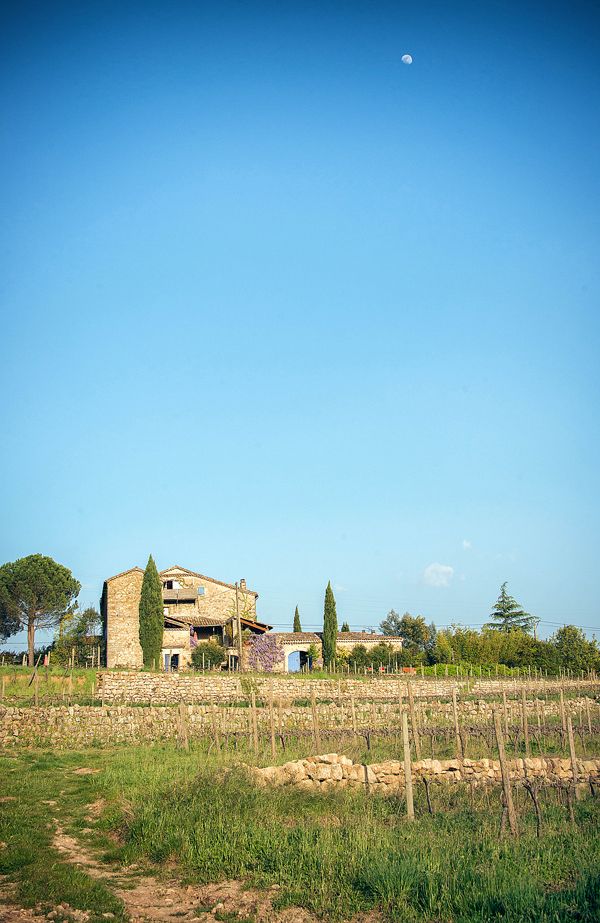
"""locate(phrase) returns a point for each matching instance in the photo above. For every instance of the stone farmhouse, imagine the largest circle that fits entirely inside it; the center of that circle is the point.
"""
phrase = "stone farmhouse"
(196, 608)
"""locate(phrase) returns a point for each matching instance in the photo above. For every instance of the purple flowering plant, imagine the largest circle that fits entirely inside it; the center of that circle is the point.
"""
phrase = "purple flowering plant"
(264, 653)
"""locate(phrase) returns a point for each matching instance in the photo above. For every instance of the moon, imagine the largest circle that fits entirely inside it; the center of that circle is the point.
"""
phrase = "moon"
(407, 59)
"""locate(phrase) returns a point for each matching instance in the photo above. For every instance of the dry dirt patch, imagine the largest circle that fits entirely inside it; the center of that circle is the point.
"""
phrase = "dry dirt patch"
(150, 900)
(9, 913)
(95, 809)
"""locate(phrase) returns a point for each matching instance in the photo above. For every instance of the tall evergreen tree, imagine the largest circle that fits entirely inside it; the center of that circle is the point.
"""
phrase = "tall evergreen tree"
(330, 627)
(345, 627)
(297, 625)
(151, 615)
(507, 614)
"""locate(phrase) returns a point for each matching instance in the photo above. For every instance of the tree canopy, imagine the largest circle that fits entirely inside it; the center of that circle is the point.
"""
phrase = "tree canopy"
(507, 614)
(573, 649)
(411, 628)
(345, 627)
(152, 618)
(35, 592)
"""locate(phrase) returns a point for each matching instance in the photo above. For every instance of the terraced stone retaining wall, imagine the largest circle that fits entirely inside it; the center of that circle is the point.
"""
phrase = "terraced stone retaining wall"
(168, 688)
(332, 771)
(75, 725)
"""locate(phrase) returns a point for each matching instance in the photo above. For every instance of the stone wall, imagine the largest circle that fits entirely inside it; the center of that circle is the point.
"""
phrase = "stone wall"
(77, 726)
(83, 726)
(169, 688)
(332, 771)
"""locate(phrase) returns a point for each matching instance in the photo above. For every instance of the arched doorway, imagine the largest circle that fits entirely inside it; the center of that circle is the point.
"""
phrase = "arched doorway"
(293, 662)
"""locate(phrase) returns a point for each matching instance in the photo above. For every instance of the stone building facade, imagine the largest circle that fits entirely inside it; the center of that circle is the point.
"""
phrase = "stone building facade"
(196, 608)
(294, 642)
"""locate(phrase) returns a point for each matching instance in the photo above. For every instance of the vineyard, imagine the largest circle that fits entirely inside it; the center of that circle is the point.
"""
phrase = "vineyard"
(289, 800)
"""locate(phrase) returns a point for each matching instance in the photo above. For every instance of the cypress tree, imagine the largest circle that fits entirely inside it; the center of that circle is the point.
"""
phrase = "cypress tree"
(345, 627)
(330, 627)
(297, 625)
(151, 615)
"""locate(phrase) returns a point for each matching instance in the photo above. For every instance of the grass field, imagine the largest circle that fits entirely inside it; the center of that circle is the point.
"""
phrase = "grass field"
(335, 854)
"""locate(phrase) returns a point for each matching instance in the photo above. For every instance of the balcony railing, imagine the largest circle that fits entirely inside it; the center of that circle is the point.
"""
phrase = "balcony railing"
(182, 595)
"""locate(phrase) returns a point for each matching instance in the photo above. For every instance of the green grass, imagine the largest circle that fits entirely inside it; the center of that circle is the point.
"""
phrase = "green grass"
(53, 685)
(341, 853)
(28, 860)
(335, 854)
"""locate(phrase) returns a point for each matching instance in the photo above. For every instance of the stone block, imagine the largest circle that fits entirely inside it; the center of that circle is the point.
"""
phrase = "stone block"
(318, 772)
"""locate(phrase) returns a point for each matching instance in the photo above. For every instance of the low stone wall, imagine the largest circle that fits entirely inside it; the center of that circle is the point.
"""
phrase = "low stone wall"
(83, 726)
(332, 771)
(168, 688)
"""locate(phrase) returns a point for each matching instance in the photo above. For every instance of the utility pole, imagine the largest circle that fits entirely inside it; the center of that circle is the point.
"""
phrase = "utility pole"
(239, 628)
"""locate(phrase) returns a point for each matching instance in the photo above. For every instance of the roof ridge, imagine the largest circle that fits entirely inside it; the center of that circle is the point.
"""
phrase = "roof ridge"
(129, 570)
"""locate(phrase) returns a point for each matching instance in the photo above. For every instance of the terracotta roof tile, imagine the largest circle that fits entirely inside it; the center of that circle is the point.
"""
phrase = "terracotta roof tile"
(366, 636)
(299, 636)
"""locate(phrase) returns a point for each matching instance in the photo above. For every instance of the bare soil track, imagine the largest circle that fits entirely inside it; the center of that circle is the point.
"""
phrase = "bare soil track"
(151, 900)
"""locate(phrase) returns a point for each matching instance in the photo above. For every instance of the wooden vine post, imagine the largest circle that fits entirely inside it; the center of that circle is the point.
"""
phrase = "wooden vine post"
(588, 715)
(354, 726)
(563, 719)
(510, 808)
(215, 726)
(272, 723)
(182, 729)
(573, 755)
(505, 710)
(315, 720)
(459, 746)
(408, 785)
(413, 720)
(254, 723)
(525, 722)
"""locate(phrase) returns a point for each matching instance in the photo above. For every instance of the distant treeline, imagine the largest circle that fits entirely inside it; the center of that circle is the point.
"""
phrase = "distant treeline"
(568, 650)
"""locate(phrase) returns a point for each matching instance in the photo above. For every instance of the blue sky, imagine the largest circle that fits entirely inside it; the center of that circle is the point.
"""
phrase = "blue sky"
(278, 306)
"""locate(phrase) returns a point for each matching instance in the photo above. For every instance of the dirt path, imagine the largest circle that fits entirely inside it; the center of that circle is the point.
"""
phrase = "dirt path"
(150, 899)
(11, 914)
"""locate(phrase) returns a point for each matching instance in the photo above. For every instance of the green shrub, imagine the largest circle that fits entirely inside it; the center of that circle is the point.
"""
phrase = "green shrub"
(208, 654)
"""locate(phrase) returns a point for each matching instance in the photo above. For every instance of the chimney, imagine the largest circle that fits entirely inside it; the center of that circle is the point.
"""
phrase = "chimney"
(242, 584)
